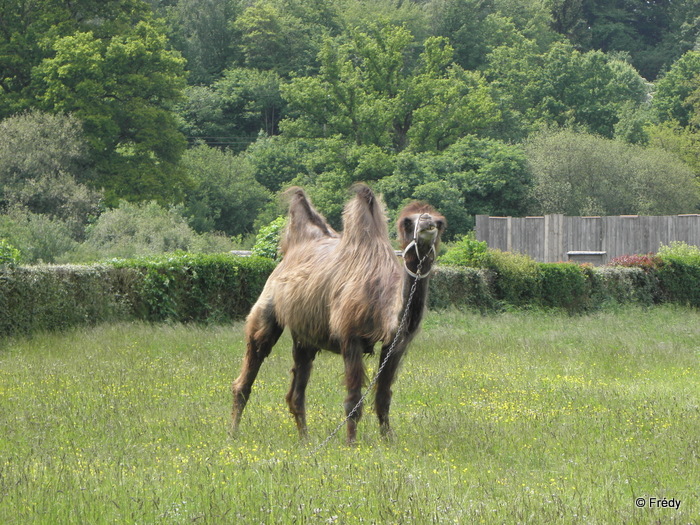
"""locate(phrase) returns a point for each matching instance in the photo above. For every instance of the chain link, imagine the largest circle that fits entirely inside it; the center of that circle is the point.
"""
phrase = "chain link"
(392, 347)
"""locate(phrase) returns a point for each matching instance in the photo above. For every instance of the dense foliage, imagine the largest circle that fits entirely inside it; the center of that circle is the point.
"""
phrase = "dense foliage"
(479, 106)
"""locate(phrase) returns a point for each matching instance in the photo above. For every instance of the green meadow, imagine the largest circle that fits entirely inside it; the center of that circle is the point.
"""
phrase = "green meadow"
(520, 417)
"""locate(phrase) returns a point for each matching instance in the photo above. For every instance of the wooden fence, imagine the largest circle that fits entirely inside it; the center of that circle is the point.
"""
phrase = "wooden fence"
(554, 238)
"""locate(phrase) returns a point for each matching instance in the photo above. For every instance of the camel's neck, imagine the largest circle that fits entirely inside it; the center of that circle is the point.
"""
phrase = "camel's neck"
(420, 295)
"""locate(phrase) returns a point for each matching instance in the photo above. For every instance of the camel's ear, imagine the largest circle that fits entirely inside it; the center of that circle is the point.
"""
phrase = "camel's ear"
(407, 227)
(441, 225)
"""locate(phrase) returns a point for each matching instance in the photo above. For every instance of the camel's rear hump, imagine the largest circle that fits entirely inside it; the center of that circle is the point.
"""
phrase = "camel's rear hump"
(304, 223)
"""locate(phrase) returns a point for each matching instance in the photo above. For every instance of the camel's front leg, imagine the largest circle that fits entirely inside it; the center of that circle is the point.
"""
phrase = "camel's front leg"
(354, 377)
(296, 397)
(382, 400)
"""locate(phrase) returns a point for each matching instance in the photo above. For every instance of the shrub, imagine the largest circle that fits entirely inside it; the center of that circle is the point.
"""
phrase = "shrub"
(224, 194)
(183, 287)
(583, 174)
(144, 229)
(680, 251)
(268, 239)
(39, 238)
(623, 285)
(466, 252)
(514, 275)
(517, 280)
(9, 255)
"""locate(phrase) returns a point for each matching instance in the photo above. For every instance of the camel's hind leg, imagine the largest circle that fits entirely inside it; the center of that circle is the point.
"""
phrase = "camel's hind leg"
(262, 332)
(354, 379)
(382, 400)
(296, 397)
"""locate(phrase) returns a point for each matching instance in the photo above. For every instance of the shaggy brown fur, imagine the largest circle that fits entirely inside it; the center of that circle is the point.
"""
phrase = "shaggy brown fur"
(343, 293)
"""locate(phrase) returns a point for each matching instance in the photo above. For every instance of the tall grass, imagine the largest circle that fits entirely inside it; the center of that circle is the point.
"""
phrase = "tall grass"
(510, 418)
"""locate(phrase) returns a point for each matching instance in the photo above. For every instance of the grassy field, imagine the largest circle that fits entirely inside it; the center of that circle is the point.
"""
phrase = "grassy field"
(510, 418)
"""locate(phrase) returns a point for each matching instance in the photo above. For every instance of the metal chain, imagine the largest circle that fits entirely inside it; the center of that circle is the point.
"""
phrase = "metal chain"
(392, 347)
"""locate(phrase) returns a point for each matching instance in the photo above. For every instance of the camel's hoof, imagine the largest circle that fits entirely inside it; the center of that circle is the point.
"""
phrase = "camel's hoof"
(388, 435)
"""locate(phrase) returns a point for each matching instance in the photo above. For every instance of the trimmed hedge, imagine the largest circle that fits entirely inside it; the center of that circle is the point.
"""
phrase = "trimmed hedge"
(565, 286)
(680, 282)
(39, 298)
(575, 288)
(623, 285)
(462, 287)
(177, 288)
(220, 288)
(194, 287)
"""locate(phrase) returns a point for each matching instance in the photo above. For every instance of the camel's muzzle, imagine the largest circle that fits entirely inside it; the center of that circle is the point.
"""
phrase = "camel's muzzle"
(427, 229)
(425, 235)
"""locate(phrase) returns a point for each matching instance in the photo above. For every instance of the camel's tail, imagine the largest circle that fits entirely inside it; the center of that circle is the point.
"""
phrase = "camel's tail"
(304, 223)
(364, 219)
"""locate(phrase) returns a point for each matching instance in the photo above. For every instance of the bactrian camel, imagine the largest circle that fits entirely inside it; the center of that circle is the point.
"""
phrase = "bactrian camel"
(343, 293)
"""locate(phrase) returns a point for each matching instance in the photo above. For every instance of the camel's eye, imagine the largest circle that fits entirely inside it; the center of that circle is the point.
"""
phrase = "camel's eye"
(440, 225)
(408, 225)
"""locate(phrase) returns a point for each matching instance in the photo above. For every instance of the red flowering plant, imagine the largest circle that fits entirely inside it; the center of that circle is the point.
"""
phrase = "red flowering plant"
(647, 262)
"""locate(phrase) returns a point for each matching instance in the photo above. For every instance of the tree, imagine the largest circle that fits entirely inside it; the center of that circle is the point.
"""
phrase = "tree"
(447, 106)
(331, 166)
(414, 16)
(225, 196)
(581, 174)
(202, 117)
(41, 156)
(277, 37)
(29, 27)
(355, 91)
(122, 88)
(475, 27)
(371, 91)
(275, 162)
(653, 33)
(472, 176)
(569, 19)
(202, 30)
(234, 109)
(682, 142)
(676, 93)
(694, 101)
(565, 87)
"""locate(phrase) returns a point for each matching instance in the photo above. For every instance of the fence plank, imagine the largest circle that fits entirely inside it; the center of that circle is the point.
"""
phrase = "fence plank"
(552, 237)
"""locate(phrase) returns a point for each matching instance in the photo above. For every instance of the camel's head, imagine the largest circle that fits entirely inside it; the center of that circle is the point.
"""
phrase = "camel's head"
(421, 226)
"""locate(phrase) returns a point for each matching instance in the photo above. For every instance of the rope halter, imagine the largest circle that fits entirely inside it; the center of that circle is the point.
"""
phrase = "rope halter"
(414, 244)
